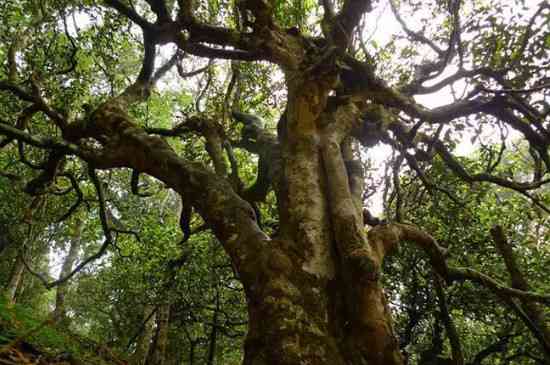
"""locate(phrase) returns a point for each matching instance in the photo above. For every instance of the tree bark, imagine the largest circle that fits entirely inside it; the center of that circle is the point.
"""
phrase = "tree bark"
(60, 311)
(318, 300)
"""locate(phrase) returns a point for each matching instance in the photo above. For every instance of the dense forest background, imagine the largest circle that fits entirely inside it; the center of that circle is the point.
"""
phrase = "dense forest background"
(113, 265)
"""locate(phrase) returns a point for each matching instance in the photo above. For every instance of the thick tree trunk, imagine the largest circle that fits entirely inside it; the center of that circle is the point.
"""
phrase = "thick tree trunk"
(15, 278)
(318, 300)
(60, 311)
(294, 319)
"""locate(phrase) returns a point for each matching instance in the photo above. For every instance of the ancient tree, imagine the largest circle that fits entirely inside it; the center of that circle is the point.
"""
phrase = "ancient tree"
(313, 284)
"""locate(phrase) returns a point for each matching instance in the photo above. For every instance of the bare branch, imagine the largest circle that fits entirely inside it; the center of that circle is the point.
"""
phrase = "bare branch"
(517, 91)
(417, 36)
(461, 274)
(450, 328)
(534, 314)
(79, 197)
(456, 167)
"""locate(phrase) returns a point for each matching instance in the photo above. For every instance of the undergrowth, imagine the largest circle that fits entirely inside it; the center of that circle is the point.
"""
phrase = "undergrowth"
(19, 325)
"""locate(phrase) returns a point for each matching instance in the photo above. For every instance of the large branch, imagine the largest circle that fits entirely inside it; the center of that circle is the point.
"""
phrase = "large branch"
(205, 33)
(243, 46)
(42, 142)
(231, 218)
(361, 260)
(160, 9)
(205, 40)
(124, 144)
(194, 42)
(256, 139)
(372, 88)
(200, 50)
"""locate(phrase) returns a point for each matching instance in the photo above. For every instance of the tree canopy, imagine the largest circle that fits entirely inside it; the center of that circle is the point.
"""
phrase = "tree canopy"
(276, 182)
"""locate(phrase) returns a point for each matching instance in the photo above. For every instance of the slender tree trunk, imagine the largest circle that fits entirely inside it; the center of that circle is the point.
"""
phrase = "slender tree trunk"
(15, 278)
(214, 332)
(192, 353)
(60, 311)
(158, 353)
(192, 346)
(139, 356)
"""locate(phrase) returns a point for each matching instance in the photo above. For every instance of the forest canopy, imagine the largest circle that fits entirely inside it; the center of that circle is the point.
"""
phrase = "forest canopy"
(266, 182)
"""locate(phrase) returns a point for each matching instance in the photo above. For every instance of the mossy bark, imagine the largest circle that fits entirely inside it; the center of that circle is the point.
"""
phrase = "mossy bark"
(317, 299)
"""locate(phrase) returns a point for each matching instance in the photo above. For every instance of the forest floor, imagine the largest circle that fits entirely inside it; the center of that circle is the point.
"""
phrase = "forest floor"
(27, 340)
(25, 353)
